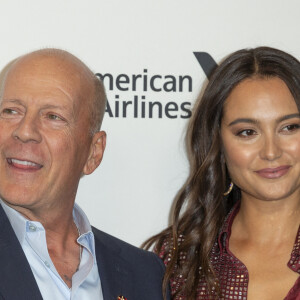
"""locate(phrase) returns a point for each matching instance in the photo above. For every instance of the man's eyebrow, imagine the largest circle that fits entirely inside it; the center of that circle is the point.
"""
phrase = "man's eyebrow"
(17, 101)
(254, 121)
(46, 106)
(50, 106)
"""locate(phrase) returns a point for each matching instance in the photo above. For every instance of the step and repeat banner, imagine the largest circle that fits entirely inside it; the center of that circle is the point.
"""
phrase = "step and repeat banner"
(153, 57)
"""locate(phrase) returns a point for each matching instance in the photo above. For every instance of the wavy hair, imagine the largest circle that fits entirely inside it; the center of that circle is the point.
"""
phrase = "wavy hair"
(201, 207)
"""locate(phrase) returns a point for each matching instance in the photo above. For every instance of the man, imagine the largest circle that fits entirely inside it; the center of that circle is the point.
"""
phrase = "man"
(51, 110)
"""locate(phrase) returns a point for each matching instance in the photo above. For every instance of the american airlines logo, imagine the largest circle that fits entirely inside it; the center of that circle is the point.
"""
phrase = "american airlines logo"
(139, 106)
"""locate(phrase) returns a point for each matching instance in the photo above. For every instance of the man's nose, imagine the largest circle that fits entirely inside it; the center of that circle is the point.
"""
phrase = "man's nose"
(271, 148)
(27, 129)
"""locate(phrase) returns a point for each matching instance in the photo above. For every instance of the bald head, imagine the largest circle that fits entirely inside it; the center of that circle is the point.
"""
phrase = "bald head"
(64, 67)
(50, 104)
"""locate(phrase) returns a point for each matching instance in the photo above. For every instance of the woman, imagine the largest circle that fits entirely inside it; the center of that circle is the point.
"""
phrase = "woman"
(235, 227)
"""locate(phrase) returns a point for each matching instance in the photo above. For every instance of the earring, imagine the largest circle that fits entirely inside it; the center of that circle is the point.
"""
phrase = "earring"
(229, 189)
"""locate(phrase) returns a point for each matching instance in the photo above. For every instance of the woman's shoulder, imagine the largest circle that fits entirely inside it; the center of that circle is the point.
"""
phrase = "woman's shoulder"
(167, 248)
(167, 252)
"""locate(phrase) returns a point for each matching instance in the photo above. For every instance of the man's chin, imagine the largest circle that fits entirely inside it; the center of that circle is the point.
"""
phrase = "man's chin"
(19, 198)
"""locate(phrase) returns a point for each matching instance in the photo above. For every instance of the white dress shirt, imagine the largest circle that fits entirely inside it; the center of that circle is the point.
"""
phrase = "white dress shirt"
(86, 283)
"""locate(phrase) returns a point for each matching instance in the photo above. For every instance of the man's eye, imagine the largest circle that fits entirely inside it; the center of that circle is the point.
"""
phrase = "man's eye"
(54, 117)
(9, 111)
(246, 133)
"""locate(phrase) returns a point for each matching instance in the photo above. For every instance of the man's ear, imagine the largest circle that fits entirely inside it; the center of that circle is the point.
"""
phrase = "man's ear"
(96, 152)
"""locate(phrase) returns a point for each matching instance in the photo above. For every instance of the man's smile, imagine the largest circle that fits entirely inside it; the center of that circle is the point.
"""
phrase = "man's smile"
(23, 164)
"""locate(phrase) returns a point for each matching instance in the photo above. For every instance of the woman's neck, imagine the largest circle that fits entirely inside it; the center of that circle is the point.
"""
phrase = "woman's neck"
(264, 221)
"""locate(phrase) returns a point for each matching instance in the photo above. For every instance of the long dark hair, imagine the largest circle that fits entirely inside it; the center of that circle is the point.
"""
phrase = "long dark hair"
(201, 207)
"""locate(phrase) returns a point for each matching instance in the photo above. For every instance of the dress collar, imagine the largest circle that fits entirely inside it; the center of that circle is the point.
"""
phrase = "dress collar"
(224, 235)
(294, 262)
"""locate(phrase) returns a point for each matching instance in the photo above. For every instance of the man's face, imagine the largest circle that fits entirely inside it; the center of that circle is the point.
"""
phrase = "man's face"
(44, 134)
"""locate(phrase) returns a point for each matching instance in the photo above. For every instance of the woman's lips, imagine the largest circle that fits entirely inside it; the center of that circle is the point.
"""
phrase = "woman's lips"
(273, 173)
(25, 165)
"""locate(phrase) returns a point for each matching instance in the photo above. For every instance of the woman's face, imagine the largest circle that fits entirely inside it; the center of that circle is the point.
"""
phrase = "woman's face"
(260, 131)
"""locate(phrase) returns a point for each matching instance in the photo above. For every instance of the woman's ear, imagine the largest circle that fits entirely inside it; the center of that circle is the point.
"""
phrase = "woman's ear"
(96, 152)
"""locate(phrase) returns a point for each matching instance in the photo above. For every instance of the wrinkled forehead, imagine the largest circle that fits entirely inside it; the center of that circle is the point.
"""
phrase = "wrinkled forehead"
(64, 71)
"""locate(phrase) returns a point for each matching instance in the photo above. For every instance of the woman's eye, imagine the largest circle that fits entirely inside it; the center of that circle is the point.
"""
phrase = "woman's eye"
(246, 133)
(291, 127)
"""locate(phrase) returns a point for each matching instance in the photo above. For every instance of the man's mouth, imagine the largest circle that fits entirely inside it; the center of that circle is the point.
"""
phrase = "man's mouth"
(23, 164)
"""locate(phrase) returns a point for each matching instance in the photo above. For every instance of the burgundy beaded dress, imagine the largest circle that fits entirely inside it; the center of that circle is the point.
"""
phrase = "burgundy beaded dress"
(232, 274)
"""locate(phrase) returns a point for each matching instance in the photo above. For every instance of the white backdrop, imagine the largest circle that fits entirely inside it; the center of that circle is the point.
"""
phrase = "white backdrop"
(144, 166)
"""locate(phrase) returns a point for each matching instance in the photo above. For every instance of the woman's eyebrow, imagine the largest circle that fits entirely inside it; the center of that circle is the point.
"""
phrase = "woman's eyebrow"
(291, 116)
(253, 121)
(243, 120)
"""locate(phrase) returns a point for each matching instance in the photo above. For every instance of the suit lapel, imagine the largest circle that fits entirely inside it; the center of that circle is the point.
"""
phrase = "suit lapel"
(115, 273)
(16, 278)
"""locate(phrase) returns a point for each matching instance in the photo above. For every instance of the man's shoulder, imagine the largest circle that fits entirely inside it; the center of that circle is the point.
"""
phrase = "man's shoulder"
(125, 250)
(139, 272)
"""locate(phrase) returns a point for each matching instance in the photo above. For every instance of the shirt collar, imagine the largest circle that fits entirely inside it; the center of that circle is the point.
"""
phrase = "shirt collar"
(81, 220)
(86, 236)
(19, 224)
(17, 221)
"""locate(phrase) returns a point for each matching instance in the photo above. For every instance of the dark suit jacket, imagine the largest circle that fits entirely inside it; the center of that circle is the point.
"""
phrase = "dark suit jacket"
(124, 269)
